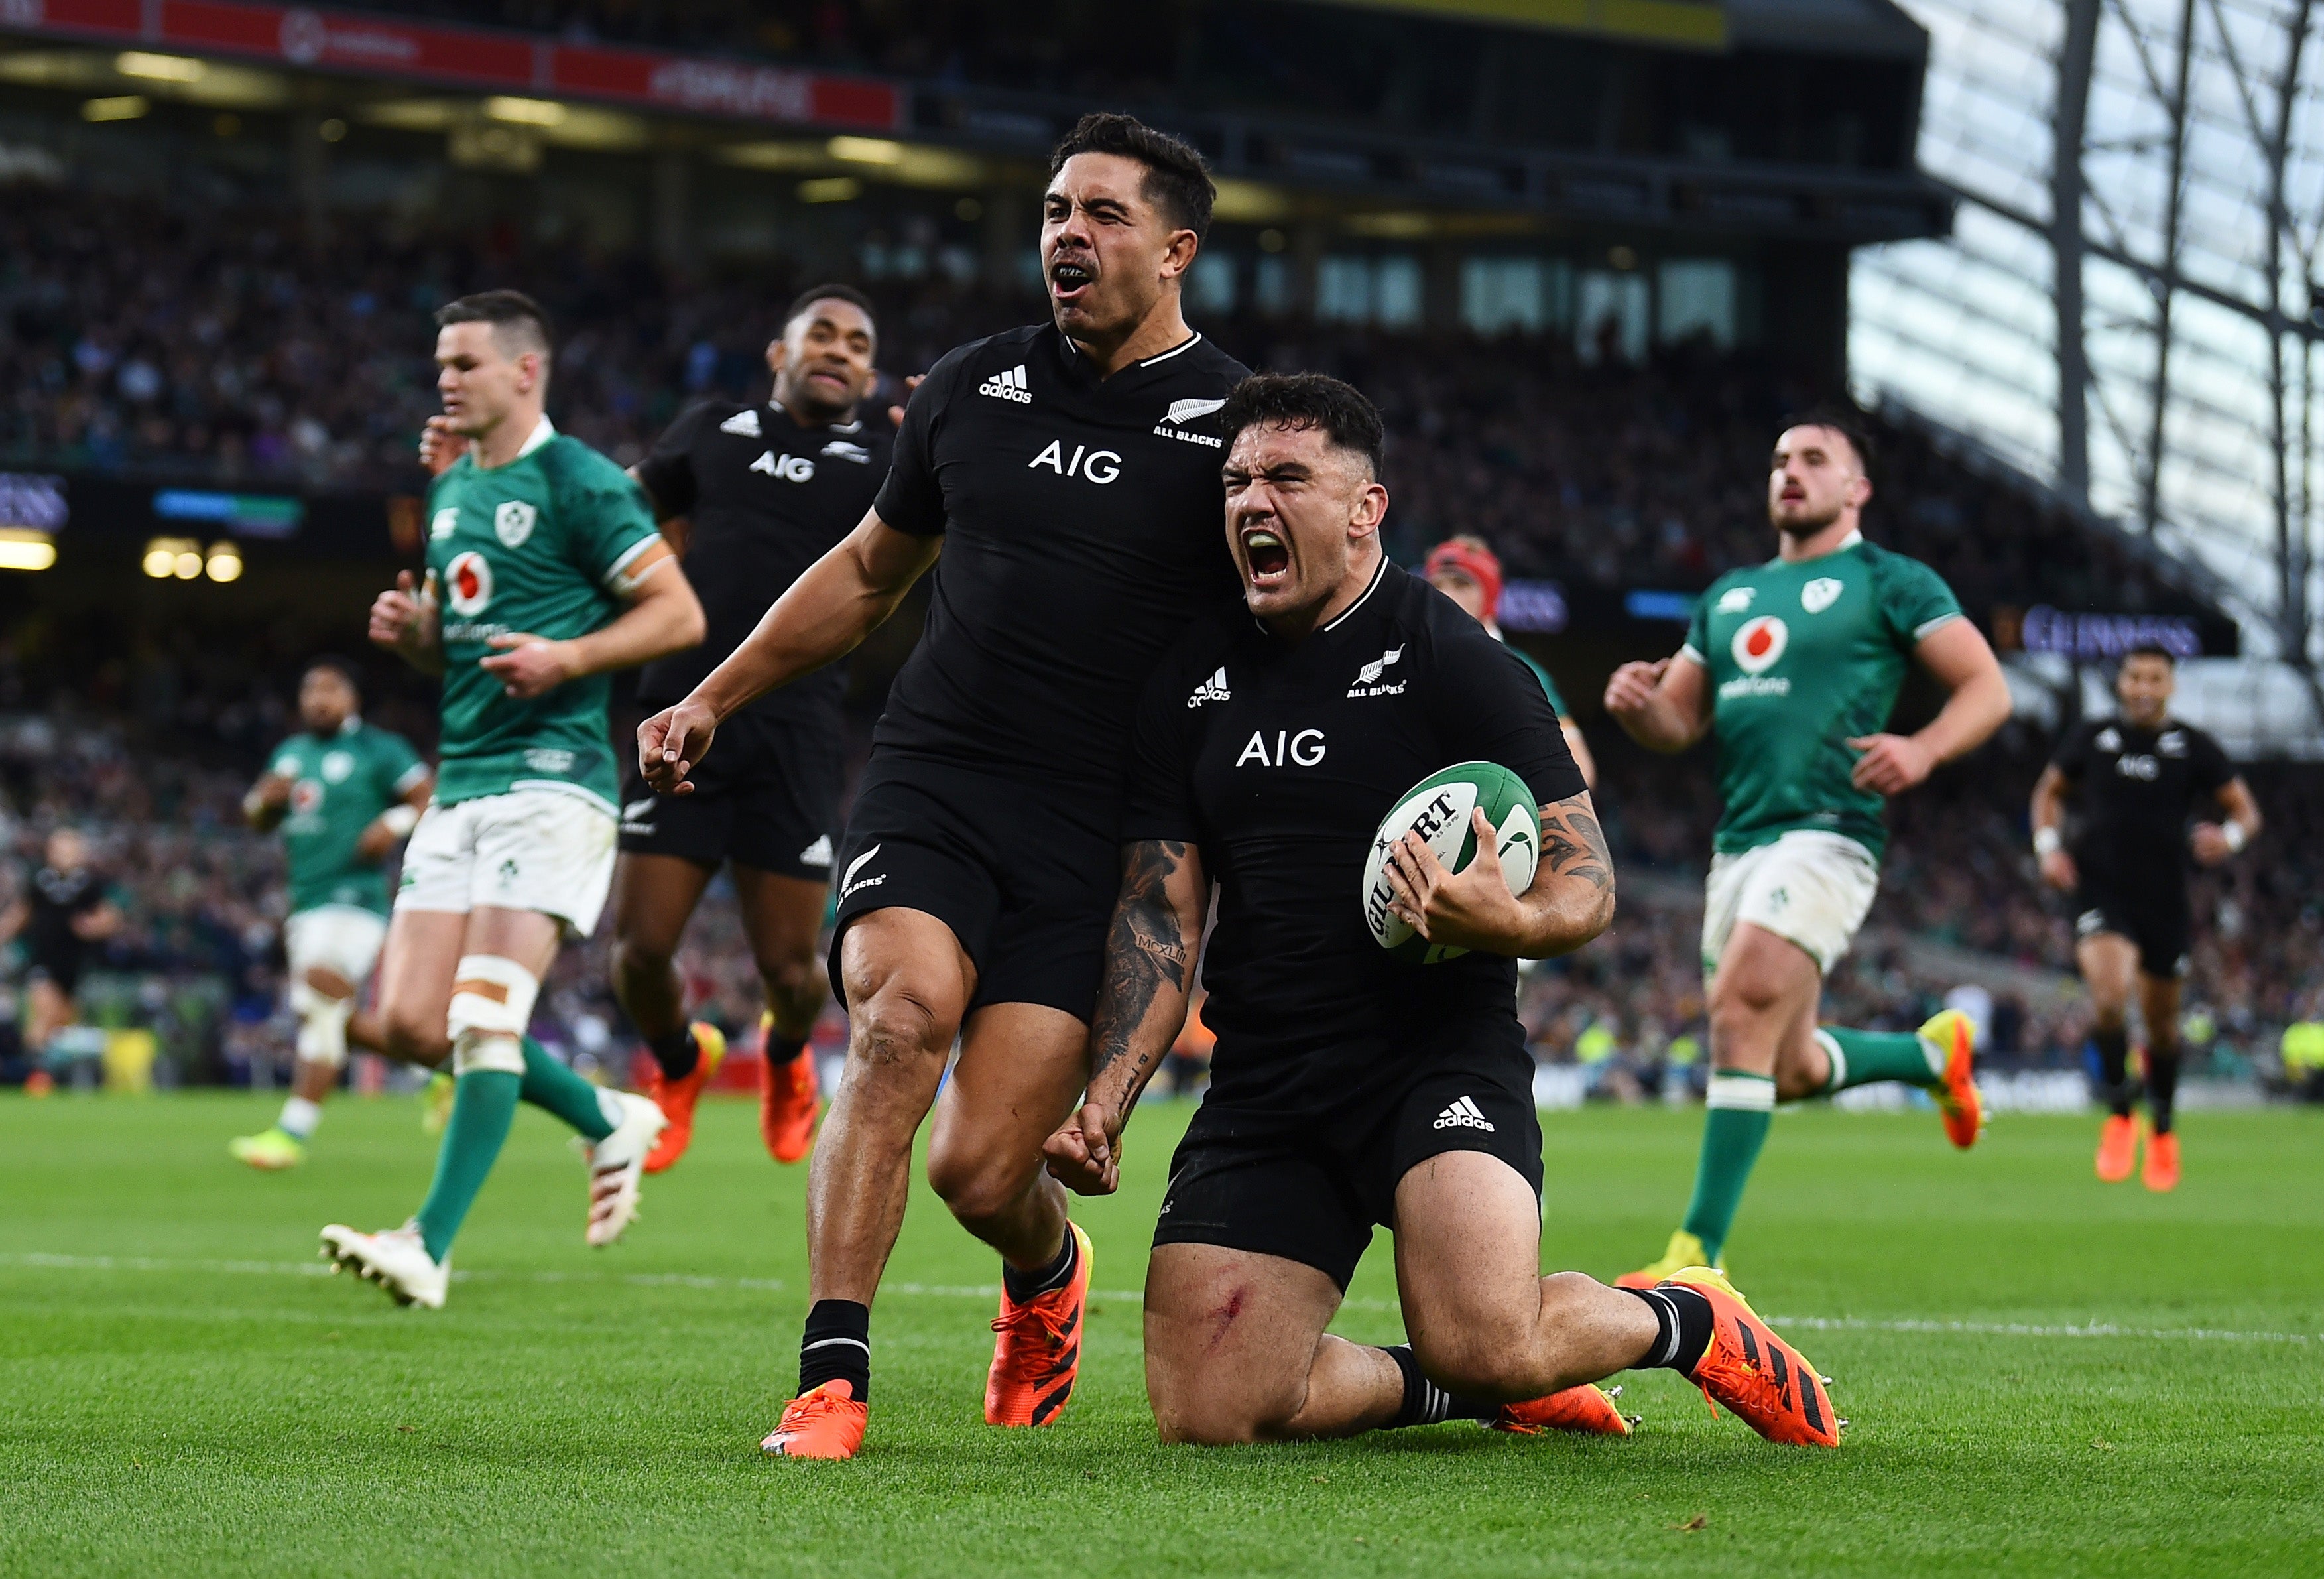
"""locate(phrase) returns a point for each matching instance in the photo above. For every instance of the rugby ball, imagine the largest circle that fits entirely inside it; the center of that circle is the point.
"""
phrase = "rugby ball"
(1437, 808)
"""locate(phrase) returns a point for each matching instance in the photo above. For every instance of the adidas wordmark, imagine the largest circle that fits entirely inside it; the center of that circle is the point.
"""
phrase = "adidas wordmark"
(1464, 1113)
(1009, 385)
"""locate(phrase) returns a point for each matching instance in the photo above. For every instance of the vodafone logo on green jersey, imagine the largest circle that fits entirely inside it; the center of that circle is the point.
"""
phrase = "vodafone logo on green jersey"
(468, 584)
(1759, 643)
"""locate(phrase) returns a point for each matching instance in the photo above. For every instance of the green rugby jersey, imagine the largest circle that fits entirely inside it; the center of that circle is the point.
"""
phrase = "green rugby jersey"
(1803, 657)
(537, 546)
(338, 786)
(1548, 686)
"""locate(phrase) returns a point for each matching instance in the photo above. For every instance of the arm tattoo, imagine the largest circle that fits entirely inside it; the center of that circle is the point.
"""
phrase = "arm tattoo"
(1145, 952)
(1573, 845)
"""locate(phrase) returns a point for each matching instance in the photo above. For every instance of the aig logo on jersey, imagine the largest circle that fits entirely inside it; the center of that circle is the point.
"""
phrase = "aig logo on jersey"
(787, 468)
(1098, 465)
(1303, 749)
(513, 523)
(468, 584)
(1759, 643)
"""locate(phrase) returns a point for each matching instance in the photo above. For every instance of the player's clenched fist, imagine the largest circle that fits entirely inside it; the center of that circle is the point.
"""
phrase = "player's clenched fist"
(671, 744)
(398, 613)
(439, 446)
(1632, 687)
(1085, 1153)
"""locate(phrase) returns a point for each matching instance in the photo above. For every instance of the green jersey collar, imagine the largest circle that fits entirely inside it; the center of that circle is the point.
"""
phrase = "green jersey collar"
(542, 435)
(1854, 537)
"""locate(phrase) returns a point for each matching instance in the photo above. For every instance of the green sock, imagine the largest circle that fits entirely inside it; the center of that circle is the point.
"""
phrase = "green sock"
(552, 1087)
(1740, 1108)
(1859, 1057)
(484, 1104)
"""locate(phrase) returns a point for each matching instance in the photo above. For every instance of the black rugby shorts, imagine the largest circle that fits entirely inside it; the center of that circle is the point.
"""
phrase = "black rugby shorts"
(1312, 1190)
(1024, 875)
(2157, 922)
(767, 796)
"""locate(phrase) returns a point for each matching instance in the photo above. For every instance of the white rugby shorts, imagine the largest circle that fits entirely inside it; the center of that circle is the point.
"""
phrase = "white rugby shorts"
(544, 850)
(1811, 887)
(343, 939)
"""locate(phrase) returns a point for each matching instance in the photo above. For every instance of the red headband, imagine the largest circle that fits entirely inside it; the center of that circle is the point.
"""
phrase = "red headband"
(1477, 564)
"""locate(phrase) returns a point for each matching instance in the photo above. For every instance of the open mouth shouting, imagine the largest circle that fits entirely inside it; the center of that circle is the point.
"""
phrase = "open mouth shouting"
(1267, 558)
(1071, 278)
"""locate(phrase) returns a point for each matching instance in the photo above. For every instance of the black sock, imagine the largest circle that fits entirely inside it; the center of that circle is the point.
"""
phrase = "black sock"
(781, 1048)
(2114, 1070)
(1024, 1286)
(1424, 1402)
(676, 1053)
(2162, 1087)
(1681, 1327)
(836, 1347)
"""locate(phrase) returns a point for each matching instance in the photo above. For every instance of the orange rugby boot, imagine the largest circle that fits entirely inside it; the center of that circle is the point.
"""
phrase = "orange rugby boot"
(1587, 1408)
(788, 1099)
(1760, 1378)
(2118, 1148)
(1039, 1354)
(2162, 1173)
(824, 1423)
(676, 1098)
(1958, 1102)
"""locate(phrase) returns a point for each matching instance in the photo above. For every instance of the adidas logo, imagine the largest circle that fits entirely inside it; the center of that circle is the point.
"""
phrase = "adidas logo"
(1008, 386)
(1214, 689)
(817, 854)
(1465, 1114)
(745, 423)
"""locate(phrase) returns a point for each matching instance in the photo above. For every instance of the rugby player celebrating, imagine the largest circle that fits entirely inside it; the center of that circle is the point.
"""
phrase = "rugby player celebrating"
(1349, 1090)
(1069, 473)
(2136, 777)
(1793, 666)
(545, 574)
(751, 495)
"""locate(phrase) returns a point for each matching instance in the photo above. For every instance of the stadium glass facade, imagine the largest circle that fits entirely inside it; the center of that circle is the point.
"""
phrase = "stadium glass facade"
(2152, 354)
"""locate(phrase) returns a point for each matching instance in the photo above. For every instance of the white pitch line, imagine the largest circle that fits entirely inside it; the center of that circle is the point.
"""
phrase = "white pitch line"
(44, 1261)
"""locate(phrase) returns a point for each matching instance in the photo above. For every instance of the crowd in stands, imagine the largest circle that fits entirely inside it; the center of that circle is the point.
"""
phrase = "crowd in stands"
(184, 340)
(161, 340)
(204, 899)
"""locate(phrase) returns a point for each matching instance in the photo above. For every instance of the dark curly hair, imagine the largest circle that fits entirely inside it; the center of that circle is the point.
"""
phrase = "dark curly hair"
(1309, 400)
(1177, 178)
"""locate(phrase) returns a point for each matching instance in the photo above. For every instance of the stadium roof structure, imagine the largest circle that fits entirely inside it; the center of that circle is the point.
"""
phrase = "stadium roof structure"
(2129, 305)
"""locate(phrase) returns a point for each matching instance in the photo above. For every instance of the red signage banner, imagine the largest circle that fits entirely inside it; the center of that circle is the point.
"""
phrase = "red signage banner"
(475, 57)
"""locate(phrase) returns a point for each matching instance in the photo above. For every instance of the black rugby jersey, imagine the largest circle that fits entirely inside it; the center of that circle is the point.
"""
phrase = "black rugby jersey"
(1084, 525)
(1279, 760)
(55, 901)
(766, 498)
(2134, 791)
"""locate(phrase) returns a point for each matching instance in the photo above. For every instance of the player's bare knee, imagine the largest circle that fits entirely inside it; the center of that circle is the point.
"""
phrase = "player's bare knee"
(896, 1026)
(328, 982)
(415, 1038)
(635, 962)
(980, 1182)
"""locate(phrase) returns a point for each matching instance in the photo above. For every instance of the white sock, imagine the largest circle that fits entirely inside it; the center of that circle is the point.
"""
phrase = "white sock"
(299, 1117)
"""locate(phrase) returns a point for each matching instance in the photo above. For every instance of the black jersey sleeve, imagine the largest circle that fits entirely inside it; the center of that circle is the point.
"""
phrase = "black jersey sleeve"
(2211, 771)
(668, 469)
(912, 498)
(1159, 802)
(2072, 757)
(1492, 710)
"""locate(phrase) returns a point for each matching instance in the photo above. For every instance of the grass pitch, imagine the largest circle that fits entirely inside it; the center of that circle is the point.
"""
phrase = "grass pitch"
(2045, 1375)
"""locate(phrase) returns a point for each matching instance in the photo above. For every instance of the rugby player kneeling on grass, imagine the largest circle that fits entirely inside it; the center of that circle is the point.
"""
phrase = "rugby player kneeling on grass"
(1350, 1089)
